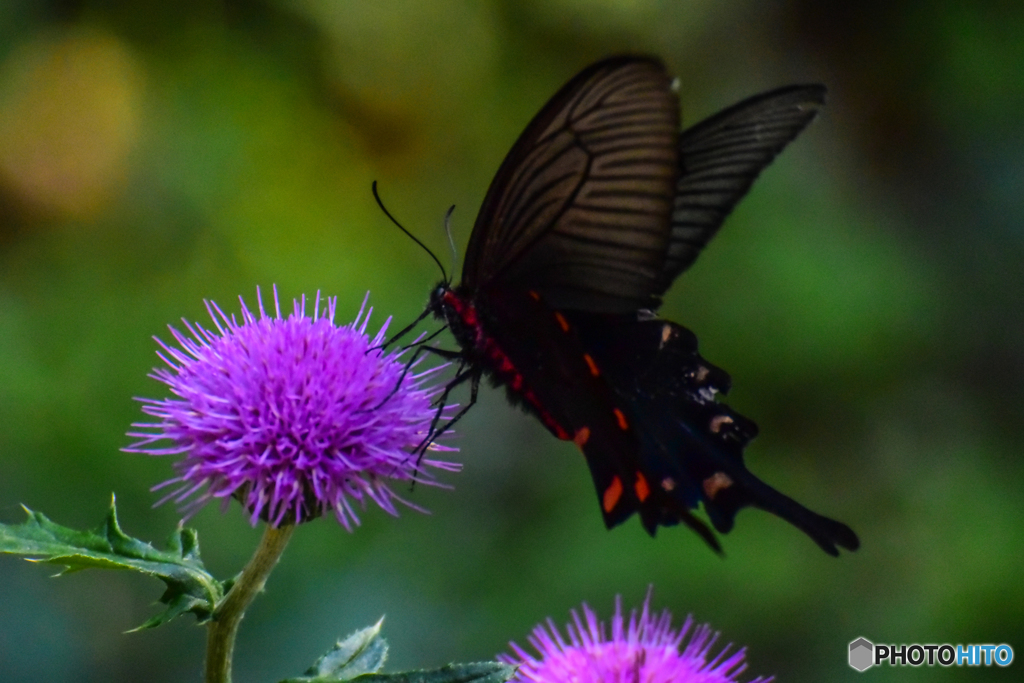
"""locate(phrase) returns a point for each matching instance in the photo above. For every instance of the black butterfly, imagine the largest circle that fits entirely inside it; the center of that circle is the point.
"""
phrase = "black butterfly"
(597, 208)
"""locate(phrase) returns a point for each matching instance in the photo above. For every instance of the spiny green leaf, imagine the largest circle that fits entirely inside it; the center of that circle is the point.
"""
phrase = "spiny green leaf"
(475, 672)
(478, 672)
(190, 588)
(362, 652)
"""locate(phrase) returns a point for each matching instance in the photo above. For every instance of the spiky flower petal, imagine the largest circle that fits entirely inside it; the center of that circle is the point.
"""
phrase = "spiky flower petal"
(292, 416)
(645, 650)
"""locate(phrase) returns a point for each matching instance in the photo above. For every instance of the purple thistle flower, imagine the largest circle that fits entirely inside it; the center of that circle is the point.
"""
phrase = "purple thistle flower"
(646, 650)
(292, 416)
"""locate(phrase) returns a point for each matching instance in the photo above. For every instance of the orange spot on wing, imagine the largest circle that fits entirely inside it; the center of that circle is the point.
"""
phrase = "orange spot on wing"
(666, 334)
(641, 487)
(562, 322)
(715, 483)
(718, 421)
(621, 417)
(534, 295)
(581, 437)
(592, 365)
(612, 495)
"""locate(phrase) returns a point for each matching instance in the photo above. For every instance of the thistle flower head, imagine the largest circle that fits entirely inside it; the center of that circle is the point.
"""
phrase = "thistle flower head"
(645, 650)
(294, 416)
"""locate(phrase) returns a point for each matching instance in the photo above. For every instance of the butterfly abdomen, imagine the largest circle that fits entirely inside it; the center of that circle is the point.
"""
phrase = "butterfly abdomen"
(470, 328)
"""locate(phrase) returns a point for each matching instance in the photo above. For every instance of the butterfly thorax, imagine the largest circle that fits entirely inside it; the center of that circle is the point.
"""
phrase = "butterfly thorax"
(459, 307)
(455, 306)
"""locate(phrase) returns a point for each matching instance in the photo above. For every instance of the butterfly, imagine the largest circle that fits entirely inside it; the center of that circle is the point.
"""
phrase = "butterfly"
(600, 204)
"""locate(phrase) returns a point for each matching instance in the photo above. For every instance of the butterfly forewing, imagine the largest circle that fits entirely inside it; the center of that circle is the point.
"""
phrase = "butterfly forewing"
(578, 210)
(721, 157)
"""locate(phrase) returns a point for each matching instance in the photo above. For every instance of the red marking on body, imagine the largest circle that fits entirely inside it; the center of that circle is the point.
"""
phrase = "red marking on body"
(621, 417)
(715, 483)
(467, 313)
(534, 295)
(612, 495)
(543, 414)
(465, 309)
(581, 437)
(507, 371)
(592, 365)
(504, 364)
(500, 364)
(452, 300)
(562, 322)
(641, 487)
(550, 421)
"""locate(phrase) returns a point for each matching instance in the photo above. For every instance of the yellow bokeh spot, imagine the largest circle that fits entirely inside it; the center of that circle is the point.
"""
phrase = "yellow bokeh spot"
(69, 117)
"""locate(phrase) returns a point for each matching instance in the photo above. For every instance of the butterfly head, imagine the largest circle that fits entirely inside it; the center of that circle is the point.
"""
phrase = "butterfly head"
(441, 291)
(456, 307)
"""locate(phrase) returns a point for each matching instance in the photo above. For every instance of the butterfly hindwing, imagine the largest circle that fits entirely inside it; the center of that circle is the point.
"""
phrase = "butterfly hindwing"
(691, 446)
(719, 159)
(564, 386)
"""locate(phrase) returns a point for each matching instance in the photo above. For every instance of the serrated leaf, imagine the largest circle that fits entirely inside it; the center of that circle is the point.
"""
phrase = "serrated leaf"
(190, 588)
(477, 672)
(361, 652)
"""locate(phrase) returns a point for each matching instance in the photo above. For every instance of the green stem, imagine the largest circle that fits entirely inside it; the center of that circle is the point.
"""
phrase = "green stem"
(220, 639)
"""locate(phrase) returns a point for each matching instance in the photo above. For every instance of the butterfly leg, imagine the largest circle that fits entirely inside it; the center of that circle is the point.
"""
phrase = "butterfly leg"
(423, 340)
(463, 374)
(404, 331)
(473, 375)
(421, 348)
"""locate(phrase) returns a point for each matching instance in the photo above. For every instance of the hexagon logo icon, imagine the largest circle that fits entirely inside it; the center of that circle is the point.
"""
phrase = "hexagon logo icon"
(862, 654)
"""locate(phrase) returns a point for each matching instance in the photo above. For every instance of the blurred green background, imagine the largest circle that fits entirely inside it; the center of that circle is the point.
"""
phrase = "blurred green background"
(867, 297)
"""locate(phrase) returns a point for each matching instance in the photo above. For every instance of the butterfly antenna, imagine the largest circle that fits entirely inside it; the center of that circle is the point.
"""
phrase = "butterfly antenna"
(451, 240)
(387, 213)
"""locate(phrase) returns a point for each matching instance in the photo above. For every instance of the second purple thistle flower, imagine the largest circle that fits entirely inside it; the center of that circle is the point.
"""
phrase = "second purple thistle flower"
(293, 416)
(643, 649)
